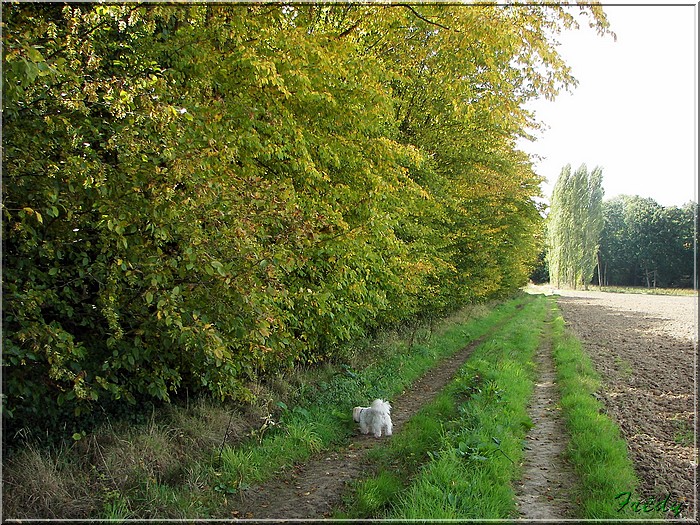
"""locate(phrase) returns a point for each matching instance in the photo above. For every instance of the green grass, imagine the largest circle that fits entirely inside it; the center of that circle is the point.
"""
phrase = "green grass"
(546, 288)
(305, 431)
(596, 448)
(461, 452)
(646, 291)
(256, 462)
(174, 466)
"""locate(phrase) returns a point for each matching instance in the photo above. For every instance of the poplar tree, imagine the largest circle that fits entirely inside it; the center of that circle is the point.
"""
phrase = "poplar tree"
(593, 225)
(574, 225)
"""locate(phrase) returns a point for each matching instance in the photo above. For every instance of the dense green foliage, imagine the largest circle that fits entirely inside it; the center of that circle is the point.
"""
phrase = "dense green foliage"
(195, 195)
(641, 244)
(646, 244)
(573, 226)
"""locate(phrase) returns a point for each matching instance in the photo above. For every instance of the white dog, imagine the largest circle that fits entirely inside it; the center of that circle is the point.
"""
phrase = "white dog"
(374, 418)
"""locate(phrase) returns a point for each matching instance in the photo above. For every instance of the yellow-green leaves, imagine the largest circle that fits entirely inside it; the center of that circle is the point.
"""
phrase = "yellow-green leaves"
(196, 194)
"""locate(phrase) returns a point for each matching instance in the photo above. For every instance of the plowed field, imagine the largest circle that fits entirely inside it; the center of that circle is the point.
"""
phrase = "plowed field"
(645, 347)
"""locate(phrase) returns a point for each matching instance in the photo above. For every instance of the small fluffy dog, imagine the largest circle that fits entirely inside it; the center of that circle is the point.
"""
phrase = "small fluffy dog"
(375, 418)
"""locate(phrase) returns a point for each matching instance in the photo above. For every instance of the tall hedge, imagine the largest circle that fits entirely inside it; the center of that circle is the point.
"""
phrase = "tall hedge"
(197, 195)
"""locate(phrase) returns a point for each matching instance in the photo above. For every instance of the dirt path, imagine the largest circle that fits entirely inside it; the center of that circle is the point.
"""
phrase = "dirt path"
(313, 489)
(544, 491)
(645, 349)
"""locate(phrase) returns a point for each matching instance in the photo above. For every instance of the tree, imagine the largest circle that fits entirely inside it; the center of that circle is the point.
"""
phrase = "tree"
(616, 252)
(592, 224)
(574, 225)
(197, 195)
(645, 244)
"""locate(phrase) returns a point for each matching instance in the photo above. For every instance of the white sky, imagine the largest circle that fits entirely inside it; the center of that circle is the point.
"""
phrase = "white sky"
(634, 112)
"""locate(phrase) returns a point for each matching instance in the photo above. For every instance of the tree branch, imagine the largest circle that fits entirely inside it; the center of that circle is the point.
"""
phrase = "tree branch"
(348, 30)
(417, 14)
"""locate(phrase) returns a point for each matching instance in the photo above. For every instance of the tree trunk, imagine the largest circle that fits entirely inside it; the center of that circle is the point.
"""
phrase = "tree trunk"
(605, 274)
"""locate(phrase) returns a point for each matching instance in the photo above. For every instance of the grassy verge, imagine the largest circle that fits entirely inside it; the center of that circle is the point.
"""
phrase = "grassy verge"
(547, 289)
(596, 448)
(462, 451)
(173, 466)
(647, 291)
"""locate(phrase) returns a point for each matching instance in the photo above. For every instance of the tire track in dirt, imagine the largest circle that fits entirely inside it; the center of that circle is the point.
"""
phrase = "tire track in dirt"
(313, 489)
(548, 480)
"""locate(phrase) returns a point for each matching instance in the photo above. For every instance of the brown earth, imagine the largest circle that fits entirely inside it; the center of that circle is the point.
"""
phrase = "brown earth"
(645, 349)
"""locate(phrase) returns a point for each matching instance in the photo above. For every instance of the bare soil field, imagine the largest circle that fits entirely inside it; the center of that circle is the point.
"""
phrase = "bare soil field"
(645, 349)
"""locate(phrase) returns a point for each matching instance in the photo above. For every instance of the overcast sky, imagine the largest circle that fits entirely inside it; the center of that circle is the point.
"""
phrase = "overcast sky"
(634, 112)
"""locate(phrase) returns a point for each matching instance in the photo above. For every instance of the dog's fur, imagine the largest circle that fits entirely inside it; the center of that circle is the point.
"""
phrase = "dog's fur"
(375, 418)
